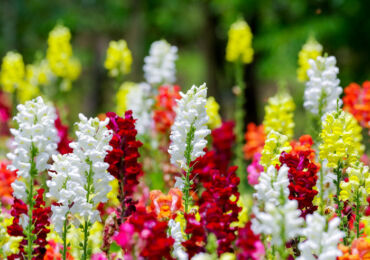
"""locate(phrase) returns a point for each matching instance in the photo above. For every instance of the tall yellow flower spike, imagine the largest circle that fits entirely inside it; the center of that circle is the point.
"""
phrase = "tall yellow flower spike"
(239, 45)
(275, 144)
(119, 58)
(212, 108)
(60, 55)
(279, 115)
(12, 72)
(310, 50)
(338, 139)
(358, 184)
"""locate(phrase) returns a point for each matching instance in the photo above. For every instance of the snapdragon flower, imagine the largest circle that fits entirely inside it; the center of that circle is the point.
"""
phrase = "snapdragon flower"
(35, 140)
(79, 180)
(12, 71)
(212, 108)
(119, 58)
(279, 115)
(322, 89)
(275, 144)
(159, 67)
(322, 239)
(271, 184)
(239, 44)
(282, 222)
(189, 130)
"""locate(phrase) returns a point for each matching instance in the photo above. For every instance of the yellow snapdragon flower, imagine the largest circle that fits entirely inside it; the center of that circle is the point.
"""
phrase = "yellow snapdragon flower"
(279, 115)
(112, 195)
(12, 72)
(358, 184)
(359, 147)
(121, 96)
(366, 221)
(338, 141)
(239, 45)
(119, 58)
(310, 50)
(275, 144)
(212, 108)
(60, 55)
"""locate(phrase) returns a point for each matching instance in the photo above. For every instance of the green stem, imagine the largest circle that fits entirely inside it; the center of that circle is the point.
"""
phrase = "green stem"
(239, 120)
(343, 222)
(65, 230)
(358, 214)
(33, 172)
(89, 188)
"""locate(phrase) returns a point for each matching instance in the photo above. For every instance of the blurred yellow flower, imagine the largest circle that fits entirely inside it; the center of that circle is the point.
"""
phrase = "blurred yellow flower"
(279, 115)
(275, 144)
(8, 244)
(112, 195)
(310, 50)
(119, 59)
(121, 96)
(338, 139)
(239, 45)
(212, 108)
(60, 54)
(12, 72)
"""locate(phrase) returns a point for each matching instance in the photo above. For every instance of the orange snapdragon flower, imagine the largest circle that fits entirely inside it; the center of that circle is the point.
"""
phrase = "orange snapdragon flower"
(166, 206)
(303, 145)
(53, 252)
(255, 140)
(6, 179)
(360, 250)
(356, 100)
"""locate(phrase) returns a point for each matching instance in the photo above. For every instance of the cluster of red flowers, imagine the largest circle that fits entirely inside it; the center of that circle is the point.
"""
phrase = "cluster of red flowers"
(223, 140)
(197, 236)
(40, 220)
(64, 140)
(249, 244)
(303, 145)
(302, 178)
(255, 140)
(164, 109)
(123, 158)
(153, 242)
(357, 101)
(6, 179)
(218, 207)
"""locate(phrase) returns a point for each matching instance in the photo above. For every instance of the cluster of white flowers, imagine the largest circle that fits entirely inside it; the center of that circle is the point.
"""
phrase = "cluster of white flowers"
(140, 102)
(282, 221)
(191, 115)
(36, 139)
(271, 184)
(322, 242)
(160, 66)
(176, 234)
(322, 88)
(75, 172)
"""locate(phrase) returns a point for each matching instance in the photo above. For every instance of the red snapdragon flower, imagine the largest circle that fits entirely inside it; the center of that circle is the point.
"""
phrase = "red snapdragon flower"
(302, 178)
(40, 220)
(123, 159)
(197, 236)
(5, 114)
(6, 179)
(249, 244)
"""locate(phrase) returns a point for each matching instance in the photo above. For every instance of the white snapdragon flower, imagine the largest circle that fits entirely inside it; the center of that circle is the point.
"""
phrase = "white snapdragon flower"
(160, 66)
(271, 184)
(81, 174)
(190, 125)
(140, 102)
(322, 88)
(282, 222)
(35, 140)
(322, 242)
(176, 234)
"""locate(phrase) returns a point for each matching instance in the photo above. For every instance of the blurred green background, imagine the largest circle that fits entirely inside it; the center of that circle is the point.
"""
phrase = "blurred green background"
(199, 29)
